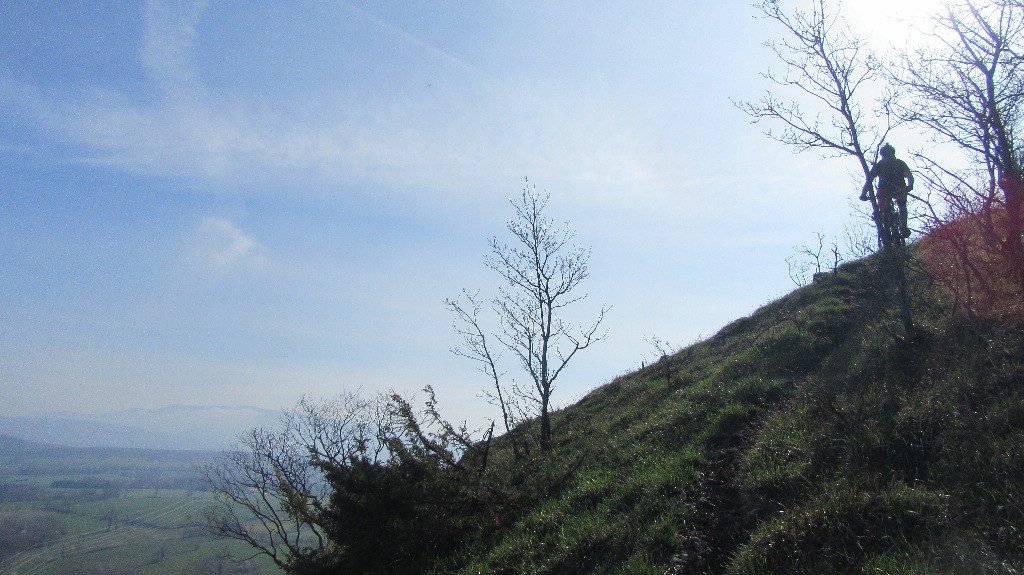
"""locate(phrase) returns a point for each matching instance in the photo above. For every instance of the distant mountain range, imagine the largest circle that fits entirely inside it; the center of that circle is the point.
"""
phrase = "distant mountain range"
(188, 427)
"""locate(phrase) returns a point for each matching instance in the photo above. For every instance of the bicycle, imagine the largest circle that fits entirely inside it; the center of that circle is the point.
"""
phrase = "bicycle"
(888, 217)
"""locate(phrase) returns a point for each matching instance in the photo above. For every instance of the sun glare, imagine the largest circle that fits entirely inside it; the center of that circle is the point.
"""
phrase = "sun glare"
(888, 22)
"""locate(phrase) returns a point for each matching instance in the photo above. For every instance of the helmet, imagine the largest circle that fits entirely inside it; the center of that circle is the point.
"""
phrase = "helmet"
(888, 151)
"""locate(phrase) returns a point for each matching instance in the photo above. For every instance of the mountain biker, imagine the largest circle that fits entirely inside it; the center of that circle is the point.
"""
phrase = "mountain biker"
(894, 182)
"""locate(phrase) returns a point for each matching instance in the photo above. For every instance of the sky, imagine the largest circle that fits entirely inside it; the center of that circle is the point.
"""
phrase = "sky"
(241, 203)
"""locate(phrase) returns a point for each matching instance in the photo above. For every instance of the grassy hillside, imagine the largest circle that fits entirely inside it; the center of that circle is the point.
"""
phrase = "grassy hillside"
(814, 436)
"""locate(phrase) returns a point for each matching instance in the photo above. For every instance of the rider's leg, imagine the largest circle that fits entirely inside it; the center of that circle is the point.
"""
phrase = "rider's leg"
(901, 201)
(885, 208)
(891, 226)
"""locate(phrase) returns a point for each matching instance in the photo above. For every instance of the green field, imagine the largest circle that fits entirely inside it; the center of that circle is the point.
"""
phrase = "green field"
(109, 512)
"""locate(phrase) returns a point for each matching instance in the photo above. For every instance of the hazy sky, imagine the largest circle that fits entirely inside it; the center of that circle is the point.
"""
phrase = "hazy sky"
(238, 203)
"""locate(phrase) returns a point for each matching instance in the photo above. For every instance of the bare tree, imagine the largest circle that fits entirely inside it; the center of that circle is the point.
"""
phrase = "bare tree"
(809, 261)
(269, 492)
(542, 273)
(475, 347)
(827, 67)
(664, 351)
(857, 242)
(966, 88)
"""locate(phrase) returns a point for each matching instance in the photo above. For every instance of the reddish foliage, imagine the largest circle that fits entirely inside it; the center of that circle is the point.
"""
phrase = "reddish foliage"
(976, 254)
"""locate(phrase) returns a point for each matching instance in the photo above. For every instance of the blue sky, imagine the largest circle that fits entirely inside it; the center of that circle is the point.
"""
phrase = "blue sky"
(239, 203)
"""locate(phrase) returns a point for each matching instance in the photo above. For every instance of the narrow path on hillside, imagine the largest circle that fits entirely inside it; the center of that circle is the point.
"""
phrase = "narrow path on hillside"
(716, 519)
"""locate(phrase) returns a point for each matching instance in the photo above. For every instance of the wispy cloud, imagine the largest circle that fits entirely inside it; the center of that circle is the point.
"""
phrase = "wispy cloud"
(459, 138)
(464, 134)
(404, 36)
(170, 31)
(218, 245)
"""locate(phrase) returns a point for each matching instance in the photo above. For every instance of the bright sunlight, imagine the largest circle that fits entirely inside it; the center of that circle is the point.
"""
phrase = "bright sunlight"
(890, 22)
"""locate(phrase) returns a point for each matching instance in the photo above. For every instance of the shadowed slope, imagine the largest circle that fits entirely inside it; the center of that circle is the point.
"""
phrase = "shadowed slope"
(809, 437)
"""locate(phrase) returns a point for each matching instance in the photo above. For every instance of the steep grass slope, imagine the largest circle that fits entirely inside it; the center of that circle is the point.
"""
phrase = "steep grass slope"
(813, 436)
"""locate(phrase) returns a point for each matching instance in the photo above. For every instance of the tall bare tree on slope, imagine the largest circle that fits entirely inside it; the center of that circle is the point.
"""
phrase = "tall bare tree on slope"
(826, 69)
(542, 272)
(967, 88)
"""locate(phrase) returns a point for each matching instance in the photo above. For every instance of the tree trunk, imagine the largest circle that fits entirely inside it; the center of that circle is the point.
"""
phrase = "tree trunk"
(1013, 190)
(545, 424)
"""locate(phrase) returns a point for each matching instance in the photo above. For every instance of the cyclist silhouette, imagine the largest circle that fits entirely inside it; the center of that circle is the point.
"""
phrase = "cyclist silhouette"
(894, 182)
